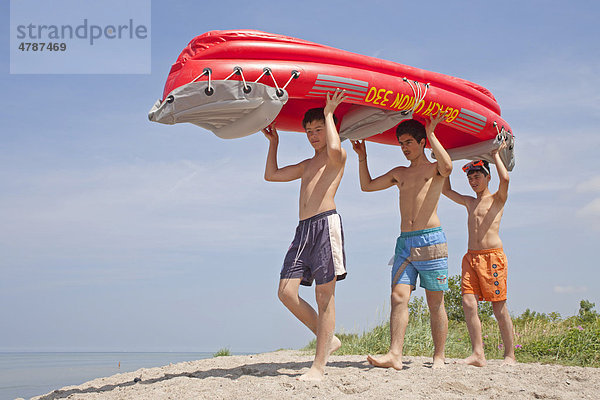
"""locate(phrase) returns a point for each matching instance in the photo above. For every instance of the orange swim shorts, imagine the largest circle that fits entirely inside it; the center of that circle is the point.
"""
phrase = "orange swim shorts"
(484, 274)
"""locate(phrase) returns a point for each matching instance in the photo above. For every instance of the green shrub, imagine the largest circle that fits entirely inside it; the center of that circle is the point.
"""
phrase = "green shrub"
(222, 352)
(586, 314)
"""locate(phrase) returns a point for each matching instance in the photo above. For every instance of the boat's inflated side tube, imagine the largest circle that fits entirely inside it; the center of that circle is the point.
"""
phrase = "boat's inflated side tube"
(225, 108)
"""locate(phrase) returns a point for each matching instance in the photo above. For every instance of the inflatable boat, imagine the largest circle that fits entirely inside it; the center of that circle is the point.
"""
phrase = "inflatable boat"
(234, 83)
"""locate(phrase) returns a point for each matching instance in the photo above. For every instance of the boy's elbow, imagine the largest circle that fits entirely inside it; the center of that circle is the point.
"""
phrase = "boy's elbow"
(335, 153)
(446, 170)
(366, 188)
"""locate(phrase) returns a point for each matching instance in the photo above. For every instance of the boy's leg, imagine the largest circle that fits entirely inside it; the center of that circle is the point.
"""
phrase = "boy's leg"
(439, 325)
(506, 330)
(477, 357)
(288, 294)
(325, 296)
(398, 323)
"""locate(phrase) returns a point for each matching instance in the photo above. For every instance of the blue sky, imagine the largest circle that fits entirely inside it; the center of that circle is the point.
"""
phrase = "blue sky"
(121, 234)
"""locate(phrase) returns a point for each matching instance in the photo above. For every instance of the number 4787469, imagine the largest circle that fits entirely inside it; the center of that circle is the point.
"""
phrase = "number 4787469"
(43, 46)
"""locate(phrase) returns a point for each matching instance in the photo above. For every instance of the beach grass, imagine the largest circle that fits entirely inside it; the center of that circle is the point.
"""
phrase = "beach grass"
(544, 338)
(222, 352)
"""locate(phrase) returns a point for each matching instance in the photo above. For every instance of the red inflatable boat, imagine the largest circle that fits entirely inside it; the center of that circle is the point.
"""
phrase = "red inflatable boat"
(235, 83)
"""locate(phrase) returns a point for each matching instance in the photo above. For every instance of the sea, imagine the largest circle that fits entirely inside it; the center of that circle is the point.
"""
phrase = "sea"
(24, 375)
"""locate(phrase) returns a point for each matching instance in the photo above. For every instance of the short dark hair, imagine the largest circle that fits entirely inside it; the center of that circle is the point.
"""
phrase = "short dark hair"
(316, 114)
(412, 127)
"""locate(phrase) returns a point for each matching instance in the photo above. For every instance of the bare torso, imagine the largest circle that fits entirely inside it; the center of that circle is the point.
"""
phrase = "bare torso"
(420, 187)
(485, 213)
(320, 181)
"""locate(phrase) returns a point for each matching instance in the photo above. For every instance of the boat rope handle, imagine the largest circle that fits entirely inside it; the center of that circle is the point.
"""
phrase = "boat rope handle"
(499, 137)
(422, 94)
(502, 135)
(295, 75)
(418, 93)
(207, 71)
(413, 90)
(201, 75)
(209, 89)
(247, 89)
(418, 101)
(265, 70)
(230, 75)
(502, 130)
(278, 90)
(238, 71)
(425, 93)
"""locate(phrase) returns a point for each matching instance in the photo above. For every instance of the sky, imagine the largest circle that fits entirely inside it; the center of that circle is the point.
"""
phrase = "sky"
(118, 234)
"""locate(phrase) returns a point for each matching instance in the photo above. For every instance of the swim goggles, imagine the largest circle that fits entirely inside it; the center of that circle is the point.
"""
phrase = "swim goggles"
(474, 165)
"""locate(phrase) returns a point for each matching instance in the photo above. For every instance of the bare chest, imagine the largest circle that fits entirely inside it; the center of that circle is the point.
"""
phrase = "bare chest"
(314, 171)
(413, 183)
(487, 208)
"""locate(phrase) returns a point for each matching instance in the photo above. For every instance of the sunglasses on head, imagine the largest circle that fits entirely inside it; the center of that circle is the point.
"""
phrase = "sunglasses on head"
(478, 163)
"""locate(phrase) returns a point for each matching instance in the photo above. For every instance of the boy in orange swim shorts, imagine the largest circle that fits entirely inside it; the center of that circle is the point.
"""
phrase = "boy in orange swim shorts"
(484, 266)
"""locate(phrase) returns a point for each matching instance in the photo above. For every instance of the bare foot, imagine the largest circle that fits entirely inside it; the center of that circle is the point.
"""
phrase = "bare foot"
(313, 375)
(475, 360)
(508, 360)
(387, 361)
(334, 345)
(439, 362)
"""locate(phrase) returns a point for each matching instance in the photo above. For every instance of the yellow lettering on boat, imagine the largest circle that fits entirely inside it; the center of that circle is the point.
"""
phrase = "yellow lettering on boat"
(420, 106)
(396, 102)
(407, 103)
(385, 97)
(429, 108)
(376, 101)
(372, 92)
(453, 116)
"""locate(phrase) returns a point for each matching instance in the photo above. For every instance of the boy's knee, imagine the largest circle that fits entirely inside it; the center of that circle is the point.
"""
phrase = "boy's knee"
(285, 295)
(400, 299)
(499, 308)
(469, 303)
(323, 296)
(435, 300)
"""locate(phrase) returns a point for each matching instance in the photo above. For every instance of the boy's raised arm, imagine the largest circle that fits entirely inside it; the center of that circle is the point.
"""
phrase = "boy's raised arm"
(272, 172)
(502, 173)
(334, 145)
(444, 162)
(451, 194)
(367, 184)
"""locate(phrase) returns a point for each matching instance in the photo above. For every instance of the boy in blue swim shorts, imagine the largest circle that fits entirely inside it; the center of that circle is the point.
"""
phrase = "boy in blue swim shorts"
(421, 249)
(422, 253)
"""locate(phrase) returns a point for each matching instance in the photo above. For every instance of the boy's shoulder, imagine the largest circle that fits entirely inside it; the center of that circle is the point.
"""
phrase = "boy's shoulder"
(398, 170)
(469, 200)
(497, 195)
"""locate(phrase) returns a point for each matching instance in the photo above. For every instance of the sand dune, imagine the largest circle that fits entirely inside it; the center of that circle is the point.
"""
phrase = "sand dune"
(273, 376)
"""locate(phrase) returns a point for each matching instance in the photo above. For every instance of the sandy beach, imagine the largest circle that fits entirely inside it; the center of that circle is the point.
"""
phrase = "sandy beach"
(273, 376)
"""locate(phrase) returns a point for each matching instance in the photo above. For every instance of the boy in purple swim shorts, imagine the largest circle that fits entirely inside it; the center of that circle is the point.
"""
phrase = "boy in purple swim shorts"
(421, 248)
(317, 251)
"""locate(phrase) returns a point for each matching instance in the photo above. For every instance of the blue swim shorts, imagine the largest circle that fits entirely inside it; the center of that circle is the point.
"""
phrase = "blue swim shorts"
(423, 253)
(317, 251)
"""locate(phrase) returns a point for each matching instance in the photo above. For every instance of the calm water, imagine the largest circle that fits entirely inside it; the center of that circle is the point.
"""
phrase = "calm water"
(33, 374)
